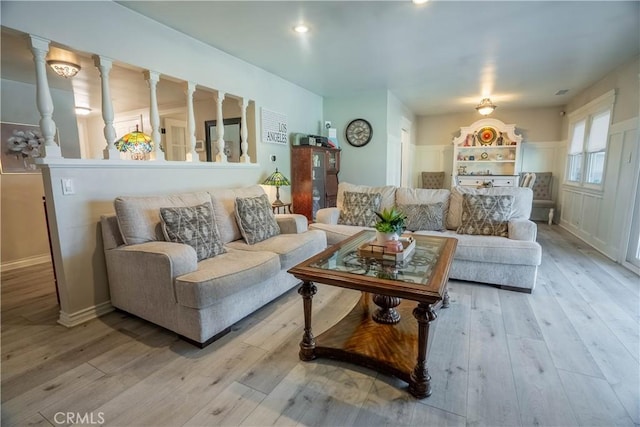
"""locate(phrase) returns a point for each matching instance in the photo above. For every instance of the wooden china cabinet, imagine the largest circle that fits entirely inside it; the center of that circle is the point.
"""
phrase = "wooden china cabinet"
(314, 178)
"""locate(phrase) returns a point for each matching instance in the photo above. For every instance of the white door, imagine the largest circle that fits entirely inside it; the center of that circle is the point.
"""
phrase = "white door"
(633, 251)
(175, 139)
(406, 166)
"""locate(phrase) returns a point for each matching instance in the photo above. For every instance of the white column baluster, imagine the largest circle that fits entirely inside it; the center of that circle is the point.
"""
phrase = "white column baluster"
(104, 66)
(192, 155)
(40, 48)
(221, 157)
(244, 134)
(152, 79)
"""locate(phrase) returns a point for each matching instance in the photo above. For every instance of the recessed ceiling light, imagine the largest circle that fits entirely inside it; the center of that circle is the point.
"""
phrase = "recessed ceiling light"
(419, 1)
(301, 28)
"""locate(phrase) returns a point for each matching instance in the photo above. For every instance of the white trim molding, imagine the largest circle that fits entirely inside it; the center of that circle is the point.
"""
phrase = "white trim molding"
(84, 315)
(25, 262)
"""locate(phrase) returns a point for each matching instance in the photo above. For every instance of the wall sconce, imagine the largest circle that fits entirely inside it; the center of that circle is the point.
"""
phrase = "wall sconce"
(83, 111)
(63, 68)
(486, 107)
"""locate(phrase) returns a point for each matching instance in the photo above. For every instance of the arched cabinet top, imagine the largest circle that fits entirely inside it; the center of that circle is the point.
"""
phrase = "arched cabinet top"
(507, 130)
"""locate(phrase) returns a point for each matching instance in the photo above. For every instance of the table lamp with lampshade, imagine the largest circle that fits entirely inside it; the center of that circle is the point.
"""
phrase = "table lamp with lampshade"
(278, 180)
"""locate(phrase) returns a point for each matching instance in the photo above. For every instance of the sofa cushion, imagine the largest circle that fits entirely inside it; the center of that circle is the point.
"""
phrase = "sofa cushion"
(291, 248)
(521, 207)
(256, 220)
(419, 196)
(223, 201)
(193, 226)
(336, 233)
(492, 249)
(139, 217)
(359, 209)
(388, 194)
(224, 275)
(485, 215)
(429, 216)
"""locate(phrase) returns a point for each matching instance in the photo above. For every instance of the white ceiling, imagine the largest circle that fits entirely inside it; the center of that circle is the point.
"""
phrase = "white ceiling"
(443, 56)
(440, 57)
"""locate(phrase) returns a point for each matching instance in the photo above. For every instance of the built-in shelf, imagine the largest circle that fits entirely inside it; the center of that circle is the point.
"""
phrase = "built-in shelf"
(500, 140)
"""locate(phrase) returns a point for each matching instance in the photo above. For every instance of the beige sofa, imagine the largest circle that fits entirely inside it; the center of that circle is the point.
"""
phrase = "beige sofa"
(509, 262)
(164, 283)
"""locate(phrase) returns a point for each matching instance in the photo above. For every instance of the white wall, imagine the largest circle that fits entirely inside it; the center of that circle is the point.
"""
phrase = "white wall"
(95, 27)
(361, 165)
(398, 116)
(171, 53)
(22, 220)
(541, 129)
(602, 218)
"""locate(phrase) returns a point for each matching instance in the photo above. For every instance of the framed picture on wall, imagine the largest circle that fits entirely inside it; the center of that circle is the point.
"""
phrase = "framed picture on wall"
(232, 140)
(21, 145)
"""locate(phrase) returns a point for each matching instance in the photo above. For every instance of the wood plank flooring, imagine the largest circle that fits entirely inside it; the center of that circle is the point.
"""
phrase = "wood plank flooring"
(566, 355)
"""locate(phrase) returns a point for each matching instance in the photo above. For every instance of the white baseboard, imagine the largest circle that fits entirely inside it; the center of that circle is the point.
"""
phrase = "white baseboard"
(79, 317)
(25, 262)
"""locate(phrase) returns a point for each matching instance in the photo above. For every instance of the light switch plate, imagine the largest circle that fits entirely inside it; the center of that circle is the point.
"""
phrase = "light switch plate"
(67, 186)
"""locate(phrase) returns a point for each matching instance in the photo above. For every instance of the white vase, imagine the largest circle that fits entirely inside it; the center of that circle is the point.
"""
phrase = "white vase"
(382, 238)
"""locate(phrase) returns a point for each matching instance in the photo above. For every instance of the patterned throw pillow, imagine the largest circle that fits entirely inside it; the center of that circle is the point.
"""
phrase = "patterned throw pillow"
(256, 219)
(424, 217)
(485, 215)
(194, 226)
(360, 209)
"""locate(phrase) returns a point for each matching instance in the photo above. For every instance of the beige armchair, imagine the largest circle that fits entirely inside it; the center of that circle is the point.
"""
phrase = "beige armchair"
(433, 180)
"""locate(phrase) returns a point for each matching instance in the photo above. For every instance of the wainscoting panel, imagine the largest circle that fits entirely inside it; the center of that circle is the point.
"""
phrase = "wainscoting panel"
(600, 218)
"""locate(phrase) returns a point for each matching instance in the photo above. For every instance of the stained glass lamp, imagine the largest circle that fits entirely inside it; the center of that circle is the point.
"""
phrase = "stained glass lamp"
(278, 180)
(137, 143)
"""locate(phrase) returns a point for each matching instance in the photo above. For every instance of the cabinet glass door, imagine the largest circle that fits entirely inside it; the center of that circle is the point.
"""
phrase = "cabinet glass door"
(332, 160)
(318, 181)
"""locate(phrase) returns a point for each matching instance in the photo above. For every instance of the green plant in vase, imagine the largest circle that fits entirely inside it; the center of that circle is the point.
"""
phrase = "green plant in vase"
(390, 225)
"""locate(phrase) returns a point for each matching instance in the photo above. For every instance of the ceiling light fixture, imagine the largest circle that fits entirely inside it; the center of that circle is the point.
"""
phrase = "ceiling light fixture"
(486, 107)
(63, 68)
(419, 1)
(83, 111)
(301, 28)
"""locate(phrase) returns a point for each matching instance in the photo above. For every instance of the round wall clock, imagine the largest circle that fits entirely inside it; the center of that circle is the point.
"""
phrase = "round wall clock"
(359, 132)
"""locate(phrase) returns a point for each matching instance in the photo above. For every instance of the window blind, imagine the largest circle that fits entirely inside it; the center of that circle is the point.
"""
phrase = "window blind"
(577, 139)
(597, 140)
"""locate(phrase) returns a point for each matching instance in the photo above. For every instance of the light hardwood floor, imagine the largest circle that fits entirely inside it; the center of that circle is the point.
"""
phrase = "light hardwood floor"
(566, 355)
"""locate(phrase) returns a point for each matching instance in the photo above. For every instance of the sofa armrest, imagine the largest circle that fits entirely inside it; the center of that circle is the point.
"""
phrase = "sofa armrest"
(175, 258)
(292, 223)
(523, 229)
(328, 215)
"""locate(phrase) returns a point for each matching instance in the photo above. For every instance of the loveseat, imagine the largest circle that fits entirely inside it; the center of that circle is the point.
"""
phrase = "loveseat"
(509, 260)
(167, 282)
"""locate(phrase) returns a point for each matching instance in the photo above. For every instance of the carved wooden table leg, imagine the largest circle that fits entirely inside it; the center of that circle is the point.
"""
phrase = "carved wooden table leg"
(308, 343)
(420, 380)
(387, 313)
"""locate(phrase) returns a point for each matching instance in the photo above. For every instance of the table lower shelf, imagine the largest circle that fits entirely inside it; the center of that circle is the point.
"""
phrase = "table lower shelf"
(358, 339)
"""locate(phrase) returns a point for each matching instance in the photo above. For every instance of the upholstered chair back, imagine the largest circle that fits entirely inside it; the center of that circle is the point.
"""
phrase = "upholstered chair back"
(433, 180)
(542, 187)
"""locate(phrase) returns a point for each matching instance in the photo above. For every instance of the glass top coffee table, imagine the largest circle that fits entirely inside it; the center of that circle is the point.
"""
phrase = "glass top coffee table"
(391, 334)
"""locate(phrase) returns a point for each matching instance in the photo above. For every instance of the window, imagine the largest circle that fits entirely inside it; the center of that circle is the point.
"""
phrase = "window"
(588, 142)
(575, 152)
(596, 147)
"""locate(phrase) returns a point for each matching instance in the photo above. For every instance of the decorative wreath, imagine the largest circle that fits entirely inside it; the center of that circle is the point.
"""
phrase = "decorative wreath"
(487, 135)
